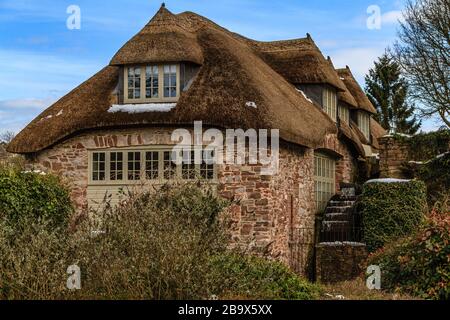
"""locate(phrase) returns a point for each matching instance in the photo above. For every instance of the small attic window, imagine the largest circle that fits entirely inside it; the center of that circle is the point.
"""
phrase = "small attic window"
(152, 83)
(329, 103)
(364, 123)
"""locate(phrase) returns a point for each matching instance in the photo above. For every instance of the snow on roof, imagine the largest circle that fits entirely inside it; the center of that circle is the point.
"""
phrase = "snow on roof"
(388, 180)
(304, 95)
(142, 108)
(251, 104)
(339, 243)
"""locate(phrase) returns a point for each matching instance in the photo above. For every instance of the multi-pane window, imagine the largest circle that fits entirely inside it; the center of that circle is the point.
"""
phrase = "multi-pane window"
(344, 113)
(134, 83)
(98, 166)
(151, 82)
(169, 166)
(364, 123)
(188, 168)
(170, 81)
(116, 166)
(152, 165)
(134, 165)
(330, 103)
(324, 180)
(207, 166)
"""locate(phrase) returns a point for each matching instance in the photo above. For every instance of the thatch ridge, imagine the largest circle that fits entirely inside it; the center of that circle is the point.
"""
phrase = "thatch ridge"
(356, 91)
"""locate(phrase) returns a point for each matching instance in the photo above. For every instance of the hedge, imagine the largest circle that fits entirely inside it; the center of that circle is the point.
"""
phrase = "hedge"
(391, 210)
(33, 195)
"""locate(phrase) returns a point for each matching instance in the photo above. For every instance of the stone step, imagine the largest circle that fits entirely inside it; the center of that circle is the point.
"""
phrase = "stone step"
(337, 216)
(334, 209)
(335, 226)
(342, 203)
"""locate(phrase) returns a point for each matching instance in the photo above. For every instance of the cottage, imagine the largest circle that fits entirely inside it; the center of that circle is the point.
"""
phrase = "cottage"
(114, 130)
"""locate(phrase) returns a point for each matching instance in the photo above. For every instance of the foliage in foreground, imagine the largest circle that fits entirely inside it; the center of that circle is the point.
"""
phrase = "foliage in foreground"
(35, 196)
(420, 264)
(391, 210)
(167, 244)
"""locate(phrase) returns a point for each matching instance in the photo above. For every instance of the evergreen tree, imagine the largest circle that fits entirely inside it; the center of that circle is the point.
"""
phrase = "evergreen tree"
(388, 92)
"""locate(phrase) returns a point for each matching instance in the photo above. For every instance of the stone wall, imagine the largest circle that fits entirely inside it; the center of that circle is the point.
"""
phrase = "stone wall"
(270, 211)
(339, 261)
(393, 154)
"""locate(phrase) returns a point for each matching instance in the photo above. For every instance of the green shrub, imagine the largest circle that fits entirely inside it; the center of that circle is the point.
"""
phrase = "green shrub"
(167, 244)
(33, 195)
(391, 210)
(248, 277)
(436, 175)
(420, 264)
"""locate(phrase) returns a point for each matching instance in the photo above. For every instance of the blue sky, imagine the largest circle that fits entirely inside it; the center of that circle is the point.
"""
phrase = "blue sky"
(41, 59)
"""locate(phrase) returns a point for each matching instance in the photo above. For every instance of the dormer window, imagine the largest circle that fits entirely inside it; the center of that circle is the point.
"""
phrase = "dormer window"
(344, 113)
(364, 123)
(329, 103)
(152, 83)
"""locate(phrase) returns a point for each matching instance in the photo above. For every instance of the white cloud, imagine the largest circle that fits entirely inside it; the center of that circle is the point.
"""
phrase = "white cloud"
(25, 103)
(360, 60)
(392, 17)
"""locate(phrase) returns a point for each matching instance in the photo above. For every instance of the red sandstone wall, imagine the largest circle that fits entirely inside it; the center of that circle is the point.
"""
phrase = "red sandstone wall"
(272, 209)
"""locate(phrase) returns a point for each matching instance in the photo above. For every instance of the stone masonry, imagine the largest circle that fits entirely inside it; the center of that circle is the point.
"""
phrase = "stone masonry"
(269, 210)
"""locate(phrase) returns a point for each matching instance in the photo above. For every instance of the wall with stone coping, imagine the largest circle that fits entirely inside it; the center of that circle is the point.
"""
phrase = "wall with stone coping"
(271, 209)
(339, 261)
(393, 154)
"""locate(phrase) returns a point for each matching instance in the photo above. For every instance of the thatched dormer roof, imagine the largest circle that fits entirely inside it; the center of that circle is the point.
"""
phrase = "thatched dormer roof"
(355, 90)
(166, 38)
(233, 71)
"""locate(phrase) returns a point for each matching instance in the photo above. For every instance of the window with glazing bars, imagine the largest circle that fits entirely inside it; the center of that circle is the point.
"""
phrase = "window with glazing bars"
(116, 166)
(98, 166)
(152, 165)
(170, 81)
(151, 82)
(134, 82)
(330, 103)
(324, 180)
(134, 166)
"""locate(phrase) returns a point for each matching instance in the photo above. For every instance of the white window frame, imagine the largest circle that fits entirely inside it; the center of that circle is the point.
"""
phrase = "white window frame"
(143, 84)
(329, 101)
(364, 123)
(143, 174)
(324, 180)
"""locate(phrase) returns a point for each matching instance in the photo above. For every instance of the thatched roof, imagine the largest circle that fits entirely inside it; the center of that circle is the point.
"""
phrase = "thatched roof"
(377, 131)
(232, 74)
(164, 39)
(355, 90)
(351, 134)
(300, 61)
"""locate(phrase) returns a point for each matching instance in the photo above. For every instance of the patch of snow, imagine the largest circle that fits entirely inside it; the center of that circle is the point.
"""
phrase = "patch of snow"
(442, 155)
(344, 243)
(342, 78)
(60, 113)
(416, 162)
(388, 180)
(390, 135)
(251, 104)
(42, 173)
(142, 108)
(304, 95)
